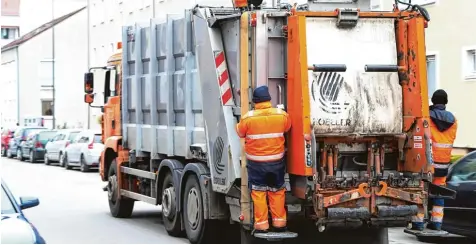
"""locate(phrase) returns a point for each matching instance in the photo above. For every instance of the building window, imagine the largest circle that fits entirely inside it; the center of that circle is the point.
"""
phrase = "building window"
(469, 63)
(5, 33)
(45, 73)
(432, 73)
(47, 107)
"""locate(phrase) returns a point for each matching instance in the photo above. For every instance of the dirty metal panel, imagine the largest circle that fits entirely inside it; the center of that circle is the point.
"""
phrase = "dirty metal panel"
(355, 101)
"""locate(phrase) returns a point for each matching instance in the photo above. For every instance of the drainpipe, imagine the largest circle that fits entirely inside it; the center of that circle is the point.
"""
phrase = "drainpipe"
(18, 83)
(89, 55)
(53, 64)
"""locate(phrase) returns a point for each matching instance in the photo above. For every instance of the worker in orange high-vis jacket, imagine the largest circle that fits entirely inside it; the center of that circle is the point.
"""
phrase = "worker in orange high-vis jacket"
(263, 129)
(443, 126)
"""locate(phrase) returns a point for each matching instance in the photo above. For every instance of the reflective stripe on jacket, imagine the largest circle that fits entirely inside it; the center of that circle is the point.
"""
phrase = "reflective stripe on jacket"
(263, 130)
(443, 126)
(442, 144)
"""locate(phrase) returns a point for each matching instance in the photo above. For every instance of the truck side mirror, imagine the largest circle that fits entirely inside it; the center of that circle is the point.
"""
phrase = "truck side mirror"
(88, 82)
(89, 98)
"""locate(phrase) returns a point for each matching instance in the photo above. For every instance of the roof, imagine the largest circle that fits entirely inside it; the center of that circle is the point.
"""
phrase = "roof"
(39, 30)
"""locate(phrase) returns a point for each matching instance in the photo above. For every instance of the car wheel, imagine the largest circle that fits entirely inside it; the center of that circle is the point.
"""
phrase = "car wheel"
(120, 207)
(61, 159)
(4, 152)
(20, 155)
(9, 153)
(84, 167)
(32, 157)
(66, 162)
(46, 160)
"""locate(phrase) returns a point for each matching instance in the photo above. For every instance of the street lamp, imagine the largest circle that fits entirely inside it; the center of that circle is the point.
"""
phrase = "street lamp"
(53, 64)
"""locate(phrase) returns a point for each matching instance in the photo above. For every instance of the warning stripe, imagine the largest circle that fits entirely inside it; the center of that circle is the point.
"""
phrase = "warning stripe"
(223, 78)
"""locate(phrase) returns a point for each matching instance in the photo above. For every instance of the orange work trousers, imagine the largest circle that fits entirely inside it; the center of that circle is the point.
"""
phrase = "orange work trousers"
(276, 204)
(266, 181)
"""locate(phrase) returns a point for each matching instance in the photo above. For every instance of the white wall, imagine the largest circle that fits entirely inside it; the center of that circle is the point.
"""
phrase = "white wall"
(8, 85)
(37, 12)
(71, 61)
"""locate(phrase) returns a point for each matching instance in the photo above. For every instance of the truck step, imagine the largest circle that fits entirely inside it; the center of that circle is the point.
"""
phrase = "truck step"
(428, 233)
(276, 236)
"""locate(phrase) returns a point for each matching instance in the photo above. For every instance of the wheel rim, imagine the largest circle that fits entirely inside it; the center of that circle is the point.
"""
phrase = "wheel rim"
(112, 188)
(61, 159)
(193, 209)
(18, 154)
(168, 202)
(46, 158)
(31, 156)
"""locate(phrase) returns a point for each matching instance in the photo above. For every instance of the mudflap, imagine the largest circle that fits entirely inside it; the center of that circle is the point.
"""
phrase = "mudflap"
(427, 233)
(276, 236)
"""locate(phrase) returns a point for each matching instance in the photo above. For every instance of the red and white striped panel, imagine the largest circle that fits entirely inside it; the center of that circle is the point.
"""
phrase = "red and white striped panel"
(223, 78)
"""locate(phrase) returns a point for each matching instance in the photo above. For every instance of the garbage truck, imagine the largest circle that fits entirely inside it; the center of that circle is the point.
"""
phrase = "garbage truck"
(353, 81)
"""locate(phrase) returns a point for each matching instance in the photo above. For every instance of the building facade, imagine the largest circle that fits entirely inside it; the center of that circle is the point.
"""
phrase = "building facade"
(28, 61)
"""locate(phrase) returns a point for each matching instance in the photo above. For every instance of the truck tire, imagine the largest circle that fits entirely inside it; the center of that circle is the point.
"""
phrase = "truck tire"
(119, 207)
(198, 229)
(170, 217)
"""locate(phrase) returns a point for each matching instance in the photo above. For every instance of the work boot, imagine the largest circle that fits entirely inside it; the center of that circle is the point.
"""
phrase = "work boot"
(434, 226)
(280, 229)
(418, 226)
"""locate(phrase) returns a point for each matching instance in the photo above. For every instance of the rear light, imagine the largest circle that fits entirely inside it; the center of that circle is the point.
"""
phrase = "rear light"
(90, 146)
(67, 143)
(38, 144)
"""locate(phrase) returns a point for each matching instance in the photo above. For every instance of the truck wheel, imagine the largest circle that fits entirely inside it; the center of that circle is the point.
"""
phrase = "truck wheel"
(197, 228)
(170, 217)
(119, 207)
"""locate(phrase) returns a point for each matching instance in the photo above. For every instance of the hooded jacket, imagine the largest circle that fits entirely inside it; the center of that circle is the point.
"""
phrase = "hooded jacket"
(443, 126)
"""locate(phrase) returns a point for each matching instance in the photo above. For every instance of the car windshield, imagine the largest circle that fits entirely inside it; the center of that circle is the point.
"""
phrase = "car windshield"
(46, 135)
(31, 131)
(97, 138)
(72, 136)
(7, 206)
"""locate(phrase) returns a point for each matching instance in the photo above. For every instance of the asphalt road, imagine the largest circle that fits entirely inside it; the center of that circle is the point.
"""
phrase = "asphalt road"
(74, 209)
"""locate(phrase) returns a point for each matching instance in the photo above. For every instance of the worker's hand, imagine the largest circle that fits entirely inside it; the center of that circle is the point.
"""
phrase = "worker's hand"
(280, 106)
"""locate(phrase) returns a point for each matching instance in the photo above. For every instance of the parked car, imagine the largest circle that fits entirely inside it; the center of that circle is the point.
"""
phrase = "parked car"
(15, 227)
(84, 151)
(34, 147)
(20, 135)
(55, 148)
(7, 134)
(460, 213)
